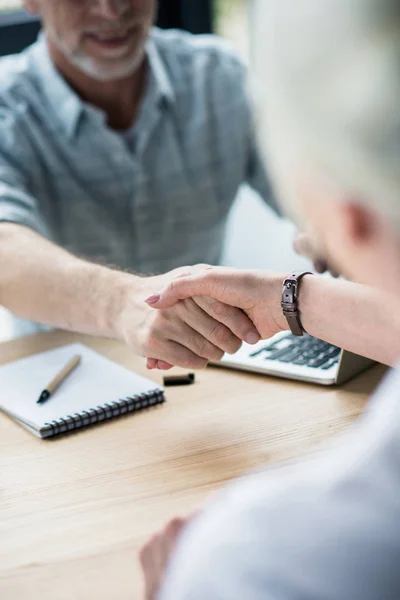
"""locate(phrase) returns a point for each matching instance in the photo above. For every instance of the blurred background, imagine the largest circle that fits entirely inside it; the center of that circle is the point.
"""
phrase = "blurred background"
(256, 238)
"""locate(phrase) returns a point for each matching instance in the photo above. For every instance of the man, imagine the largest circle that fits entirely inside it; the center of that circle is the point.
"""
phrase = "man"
(330, 528)
(125, 146)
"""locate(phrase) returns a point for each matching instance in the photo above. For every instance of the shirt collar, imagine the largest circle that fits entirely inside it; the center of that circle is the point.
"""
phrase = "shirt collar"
(158, 71)
(67, 105)
(63, 101)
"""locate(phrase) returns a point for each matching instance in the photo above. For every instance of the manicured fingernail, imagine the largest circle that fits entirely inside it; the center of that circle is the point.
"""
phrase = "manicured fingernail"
(153, 299)
(252, 338)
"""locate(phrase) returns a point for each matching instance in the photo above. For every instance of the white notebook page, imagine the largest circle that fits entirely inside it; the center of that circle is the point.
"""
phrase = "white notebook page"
(96, 381)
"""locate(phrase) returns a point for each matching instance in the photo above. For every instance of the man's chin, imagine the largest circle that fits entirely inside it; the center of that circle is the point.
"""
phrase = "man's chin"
(110, 64)
(109, 70)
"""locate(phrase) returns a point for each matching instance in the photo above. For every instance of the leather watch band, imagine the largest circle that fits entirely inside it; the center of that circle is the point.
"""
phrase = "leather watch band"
(290, 308)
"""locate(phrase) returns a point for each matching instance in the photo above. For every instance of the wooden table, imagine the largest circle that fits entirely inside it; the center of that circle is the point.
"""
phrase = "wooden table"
(75, 510)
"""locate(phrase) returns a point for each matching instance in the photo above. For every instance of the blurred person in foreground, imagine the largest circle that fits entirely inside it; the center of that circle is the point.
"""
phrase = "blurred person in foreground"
(125, 145)
(329, 528)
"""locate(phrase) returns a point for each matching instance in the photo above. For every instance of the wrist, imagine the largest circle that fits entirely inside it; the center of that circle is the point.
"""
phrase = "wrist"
(129, 310)
(120, 304)
(279, 317)
(272, 320)
(307, 301)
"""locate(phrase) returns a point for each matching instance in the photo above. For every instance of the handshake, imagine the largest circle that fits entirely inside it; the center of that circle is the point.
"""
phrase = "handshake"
(194, 315)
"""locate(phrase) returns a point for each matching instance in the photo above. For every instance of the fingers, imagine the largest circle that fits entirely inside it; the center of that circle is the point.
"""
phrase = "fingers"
(171, 352)
(183, 288)
(164, 366)
(184, 336)
(156, 554)
(212, 331)
(169, 538)
(234, 320)
(207, 328)
(151, 363)
(151, 560)
(229, 286)
(198, 343)
(236, 299)
(154, 363)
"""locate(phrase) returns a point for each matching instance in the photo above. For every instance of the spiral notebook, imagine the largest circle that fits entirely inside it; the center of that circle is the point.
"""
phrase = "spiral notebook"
(96, 391)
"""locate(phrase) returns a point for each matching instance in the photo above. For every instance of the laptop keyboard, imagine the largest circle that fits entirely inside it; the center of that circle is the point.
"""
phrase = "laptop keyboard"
(306, 351)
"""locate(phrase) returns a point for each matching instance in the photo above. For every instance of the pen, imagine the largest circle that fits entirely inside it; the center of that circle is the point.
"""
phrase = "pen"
(59, 379)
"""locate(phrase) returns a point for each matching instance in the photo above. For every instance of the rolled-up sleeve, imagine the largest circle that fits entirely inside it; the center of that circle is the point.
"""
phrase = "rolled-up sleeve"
(18, 203)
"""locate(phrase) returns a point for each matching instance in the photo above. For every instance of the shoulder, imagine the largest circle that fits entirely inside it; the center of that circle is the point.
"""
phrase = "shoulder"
(18, 91)
(17, 88)
(15, 73)
(198, 55)
(186, 46)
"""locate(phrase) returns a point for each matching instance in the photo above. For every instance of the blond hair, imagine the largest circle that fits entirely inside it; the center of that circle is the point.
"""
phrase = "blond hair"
(330, 72)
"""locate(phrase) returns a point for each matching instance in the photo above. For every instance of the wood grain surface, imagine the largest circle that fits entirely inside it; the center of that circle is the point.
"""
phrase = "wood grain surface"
(75, 510)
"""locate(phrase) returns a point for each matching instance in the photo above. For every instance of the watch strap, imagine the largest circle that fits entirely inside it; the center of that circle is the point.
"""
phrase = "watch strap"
(290, 307)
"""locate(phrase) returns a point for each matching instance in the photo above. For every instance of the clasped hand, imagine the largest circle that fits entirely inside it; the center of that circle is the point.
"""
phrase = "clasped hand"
(188, 333)
(221, 307)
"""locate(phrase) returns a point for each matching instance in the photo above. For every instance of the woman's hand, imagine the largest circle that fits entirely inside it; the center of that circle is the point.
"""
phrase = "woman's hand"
(256, 293)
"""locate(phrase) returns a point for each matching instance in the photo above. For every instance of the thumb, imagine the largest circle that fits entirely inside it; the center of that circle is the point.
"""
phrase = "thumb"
(221, 284)
(178, 289)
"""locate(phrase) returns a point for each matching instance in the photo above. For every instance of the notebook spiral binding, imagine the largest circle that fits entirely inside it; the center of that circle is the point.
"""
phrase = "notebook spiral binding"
(109, 410)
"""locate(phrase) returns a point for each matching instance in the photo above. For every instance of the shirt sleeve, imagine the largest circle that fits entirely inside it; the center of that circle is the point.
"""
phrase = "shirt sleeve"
(329, 529)
(18, 203)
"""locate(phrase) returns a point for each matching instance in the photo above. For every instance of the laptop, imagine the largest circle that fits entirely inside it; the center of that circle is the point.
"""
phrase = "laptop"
(301, 358)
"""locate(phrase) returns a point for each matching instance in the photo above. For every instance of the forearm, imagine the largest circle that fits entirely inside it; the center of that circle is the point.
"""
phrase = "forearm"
(352, 316)
(41, 282)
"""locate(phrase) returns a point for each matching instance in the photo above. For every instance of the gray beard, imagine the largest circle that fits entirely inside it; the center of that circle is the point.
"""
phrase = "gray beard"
(88, 66)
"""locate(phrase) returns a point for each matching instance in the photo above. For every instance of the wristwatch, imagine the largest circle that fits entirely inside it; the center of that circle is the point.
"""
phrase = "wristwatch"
(290, 308)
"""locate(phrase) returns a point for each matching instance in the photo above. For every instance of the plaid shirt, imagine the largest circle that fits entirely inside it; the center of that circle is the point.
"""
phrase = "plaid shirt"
(156, 203)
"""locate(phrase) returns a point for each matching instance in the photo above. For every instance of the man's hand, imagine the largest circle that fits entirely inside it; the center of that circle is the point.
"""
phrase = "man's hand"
(188, 334)
(42, 282)
(156, 553)
(257, 293)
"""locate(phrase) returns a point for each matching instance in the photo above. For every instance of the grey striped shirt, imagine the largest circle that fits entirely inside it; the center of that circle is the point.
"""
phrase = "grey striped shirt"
(156, 203)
